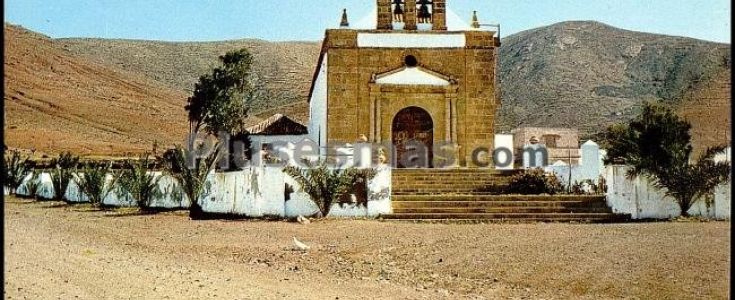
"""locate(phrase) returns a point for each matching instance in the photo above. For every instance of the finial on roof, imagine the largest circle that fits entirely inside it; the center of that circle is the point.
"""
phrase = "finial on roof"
(475, 21)
(344, 23)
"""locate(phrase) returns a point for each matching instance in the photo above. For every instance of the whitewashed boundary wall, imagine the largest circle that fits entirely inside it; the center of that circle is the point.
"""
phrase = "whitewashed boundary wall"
(254, 192)
(639, 198)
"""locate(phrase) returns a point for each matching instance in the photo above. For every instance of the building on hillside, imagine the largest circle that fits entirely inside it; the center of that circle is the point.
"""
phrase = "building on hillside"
(412, 71)
(562, 144)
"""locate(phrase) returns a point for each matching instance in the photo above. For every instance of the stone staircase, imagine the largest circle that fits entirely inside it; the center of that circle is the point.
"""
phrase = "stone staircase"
(475, 194)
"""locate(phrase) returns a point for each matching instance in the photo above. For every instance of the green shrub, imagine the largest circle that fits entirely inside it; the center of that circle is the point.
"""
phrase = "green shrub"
(326, 185)
(137, 180)
(63, 173)
(534, 182)
(191, 179)
(594, 188)
(16, 168)
(33, 184)
(93, 182)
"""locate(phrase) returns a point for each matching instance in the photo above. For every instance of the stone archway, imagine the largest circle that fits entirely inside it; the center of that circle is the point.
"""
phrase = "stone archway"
(413, 138)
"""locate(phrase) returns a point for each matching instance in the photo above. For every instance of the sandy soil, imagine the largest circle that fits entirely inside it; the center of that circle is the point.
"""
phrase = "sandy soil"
(57, 251)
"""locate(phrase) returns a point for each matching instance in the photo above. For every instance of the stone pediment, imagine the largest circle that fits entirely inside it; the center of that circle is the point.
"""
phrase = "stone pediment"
(413, 76)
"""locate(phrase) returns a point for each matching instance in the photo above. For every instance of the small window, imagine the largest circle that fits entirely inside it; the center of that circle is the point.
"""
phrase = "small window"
(550, 140)
(411, 61)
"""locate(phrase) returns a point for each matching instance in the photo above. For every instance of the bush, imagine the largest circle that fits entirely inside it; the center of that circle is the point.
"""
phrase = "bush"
(589, 187)
(326, 186)
(657, 143)
(192, 179)
(137, 181)
(33, 184)
(16, 168)
(93, 182)
(534, 182)
(63, 173)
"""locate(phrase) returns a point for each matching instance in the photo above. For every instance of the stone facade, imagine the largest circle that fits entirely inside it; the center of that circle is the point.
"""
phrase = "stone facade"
(562, 144)
(459, 94)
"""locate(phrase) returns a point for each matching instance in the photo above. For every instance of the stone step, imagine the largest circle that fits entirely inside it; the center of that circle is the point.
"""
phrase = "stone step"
(480, 197)
(483, 210)
(497, 204)
(546, 217)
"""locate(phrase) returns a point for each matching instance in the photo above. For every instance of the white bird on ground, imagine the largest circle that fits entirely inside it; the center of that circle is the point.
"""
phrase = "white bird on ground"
(299, 245)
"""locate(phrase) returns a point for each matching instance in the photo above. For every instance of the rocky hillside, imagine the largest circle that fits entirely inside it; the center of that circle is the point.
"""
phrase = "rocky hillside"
(589, 75)
(283, 68)
(55, 101)
(573, 74)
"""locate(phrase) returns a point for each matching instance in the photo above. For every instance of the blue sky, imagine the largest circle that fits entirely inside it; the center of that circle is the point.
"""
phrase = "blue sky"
(208, 20)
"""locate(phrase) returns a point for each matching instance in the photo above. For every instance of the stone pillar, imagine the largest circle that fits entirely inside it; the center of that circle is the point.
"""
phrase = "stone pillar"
(385, 16)
(410, 15)
(439, 18)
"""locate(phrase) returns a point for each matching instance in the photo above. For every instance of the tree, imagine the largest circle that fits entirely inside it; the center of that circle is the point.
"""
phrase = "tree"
(325, 185)
(16, 168)
(192, 179)
(94, 184)
(137, 180)
(220, 99)
(63, 173)
(657, 143)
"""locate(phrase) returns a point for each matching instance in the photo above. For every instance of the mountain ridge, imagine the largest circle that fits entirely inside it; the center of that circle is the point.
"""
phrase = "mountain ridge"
(581, 74)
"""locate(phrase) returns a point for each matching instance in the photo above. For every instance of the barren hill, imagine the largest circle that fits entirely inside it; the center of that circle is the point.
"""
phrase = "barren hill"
(577, 74)
(589, 75)
(55, 101)
(283, 68)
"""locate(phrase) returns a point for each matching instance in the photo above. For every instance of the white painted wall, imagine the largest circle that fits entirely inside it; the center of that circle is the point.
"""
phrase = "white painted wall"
(413, 76)
(639, 198)
(399, 39)
(505, 141)
(253, 192)
(318, 106)
(590, 168)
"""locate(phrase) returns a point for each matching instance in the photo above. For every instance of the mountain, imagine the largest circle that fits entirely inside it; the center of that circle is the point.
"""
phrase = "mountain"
(283, 68)
(589, 75)
(579, 74)
(55, 101)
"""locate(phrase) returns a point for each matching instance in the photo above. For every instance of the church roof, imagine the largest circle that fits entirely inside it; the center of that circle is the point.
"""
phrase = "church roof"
(278, 124)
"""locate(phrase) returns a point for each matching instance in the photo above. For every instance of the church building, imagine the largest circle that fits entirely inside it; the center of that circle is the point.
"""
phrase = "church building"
(412, 71)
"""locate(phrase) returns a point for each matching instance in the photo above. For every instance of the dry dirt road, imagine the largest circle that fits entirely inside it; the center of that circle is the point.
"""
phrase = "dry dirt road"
(55, 251)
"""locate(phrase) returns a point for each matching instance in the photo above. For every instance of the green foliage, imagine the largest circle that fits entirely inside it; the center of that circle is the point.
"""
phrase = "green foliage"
(657, 139)
(589, 186)
(137, 181)
(16, 168)
(687, 183)
(93, 182)
(63, 172)
(325, 185)
(534, 182)
(657, 143)
(33, 184)
(220, 99)
(191, 173)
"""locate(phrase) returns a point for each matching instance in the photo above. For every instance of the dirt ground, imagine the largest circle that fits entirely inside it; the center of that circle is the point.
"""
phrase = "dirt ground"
(55, 251)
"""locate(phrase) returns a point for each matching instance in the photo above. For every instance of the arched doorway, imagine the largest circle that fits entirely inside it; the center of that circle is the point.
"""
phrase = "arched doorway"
(413, 138)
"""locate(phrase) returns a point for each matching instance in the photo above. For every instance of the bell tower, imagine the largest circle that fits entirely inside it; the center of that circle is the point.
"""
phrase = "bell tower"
(410, 13)
(385, 15)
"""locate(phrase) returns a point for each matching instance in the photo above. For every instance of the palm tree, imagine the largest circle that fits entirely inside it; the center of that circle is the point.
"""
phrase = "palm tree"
(137, 180)
(191, 174)
(325, 185)
(63, 173)
(94, 184)
(657, 143)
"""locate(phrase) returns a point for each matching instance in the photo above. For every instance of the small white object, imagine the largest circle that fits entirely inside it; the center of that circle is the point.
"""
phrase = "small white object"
(299, 245)
(302, 220)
